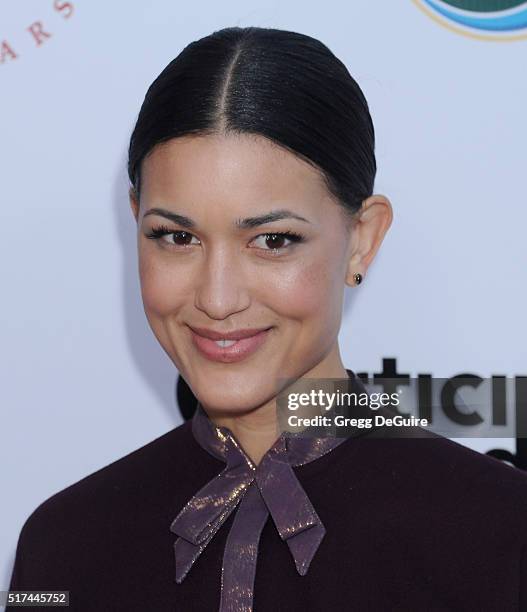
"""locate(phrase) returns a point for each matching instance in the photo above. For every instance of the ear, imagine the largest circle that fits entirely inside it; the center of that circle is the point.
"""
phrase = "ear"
(134, 202)
(369, 229)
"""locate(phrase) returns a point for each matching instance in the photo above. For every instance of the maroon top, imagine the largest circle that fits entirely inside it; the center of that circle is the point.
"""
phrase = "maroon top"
(415, 523)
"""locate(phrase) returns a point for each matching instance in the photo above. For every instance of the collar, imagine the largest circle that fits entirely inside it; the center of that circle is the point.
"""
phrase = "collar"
(258, 491)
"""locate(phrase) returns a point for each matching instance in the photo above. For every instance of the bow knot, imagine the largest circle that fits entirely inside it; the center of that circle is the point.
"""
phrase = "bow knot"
(271, 488)
(277, 493)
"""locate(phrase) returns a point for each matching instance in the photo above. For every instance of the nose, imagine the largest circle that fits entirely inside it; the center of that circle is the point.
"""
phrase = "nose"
(221, 289)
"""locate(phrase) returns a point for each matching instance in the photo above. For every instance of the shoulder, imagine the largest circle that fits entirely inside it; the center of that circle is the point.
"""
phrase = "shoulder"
(431, 494)
(77, 529)
(149, 469)
(437, 470)
(418, 467)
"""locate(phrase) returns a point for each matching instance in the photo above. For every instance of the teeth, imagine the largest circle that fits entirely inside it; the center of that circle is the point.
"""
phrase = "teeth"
(224, 343)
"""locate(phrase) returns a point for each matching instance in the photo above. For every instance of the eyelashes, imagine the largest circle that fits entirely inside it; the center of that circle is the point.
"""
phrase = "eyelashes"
(160, 231)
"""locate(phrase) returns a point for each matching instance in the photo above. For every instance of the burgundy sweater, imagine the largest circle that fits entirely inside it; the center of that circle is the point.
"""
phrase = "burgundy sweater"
(412, 524)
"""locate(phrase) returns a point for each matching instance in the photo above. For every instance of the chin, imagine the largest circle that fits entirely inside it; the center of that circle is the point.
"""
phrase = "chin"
(231, 403)
(237, 376)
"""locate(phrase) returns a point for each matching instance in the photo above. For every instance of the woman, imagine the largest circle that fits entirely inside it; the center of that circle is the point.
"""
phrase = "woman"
(252, 169)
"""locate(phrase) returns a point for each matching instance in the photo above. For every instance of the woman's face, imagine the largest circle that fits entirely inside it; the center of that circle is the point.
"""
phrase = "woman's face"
(221, 267)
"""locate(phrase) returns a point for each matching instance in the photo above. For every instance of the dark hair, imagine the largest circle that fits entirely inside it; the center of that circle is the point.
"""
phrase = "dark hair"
(284, 86)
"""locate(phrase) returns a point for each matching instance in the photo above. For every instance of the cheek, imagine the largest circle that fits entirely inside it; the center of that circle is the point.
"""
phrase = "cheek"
(162, 288)
(311, 290)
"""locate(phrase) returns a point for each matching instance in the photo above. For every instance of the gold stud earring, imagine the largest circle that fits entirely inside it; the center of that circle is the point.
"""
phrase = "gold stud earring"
(358, 278)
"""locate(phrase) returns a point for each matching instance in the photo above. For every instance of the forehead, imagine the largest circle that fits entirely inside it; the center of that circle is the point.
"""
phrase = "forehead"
(235, 170)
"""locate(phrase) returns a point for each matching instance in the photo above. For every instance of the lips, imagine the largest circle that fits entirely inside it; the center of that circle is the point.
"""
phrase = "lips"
(228, 347)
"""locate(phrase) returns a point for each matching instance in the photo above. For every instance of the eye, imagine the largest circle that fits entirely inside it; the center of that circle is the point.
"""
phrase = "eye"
(273, 242)
(277, 241)
(177, 238)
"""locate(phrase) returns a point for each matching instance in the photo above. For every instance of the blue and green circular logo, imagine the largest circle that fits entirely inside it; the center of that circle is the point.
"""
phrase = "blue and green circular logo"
(488, 19)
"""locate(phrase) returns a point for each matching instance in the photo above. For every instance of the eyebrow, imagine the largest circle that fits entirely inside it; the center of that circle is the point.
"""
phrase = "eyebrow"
(247, 223)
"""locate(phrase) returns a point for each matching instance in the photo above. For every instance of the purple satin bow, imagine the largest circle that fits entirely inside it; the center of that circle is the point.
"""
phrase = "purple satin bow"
(271, 487)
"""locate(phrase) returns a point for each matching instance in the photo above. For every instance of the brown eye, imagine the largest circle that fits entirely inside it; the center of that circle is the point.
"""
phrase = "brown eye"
(172, 238)
(277, 242)
(274, 241)
(181, 238)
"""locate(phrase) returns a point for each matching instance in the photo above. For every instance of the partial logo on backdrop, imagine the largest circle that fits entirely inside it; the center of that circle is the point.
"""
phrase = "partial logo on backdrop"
(37, 33)
(499, 20)
(499, 410)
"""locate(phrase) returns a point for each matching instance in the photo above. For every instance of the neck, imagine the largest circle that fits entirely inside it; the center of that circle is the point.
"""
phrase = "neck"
(256, 431)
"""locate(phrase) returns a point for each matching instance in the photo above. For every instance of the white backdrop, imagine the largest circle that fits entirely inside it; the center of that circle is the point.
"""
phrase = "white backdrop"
(84, 381)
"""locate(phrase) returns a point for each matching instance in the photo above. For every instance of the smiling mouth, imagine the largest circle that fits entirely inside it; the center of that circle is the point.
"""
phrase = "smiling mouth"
(229, 350)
